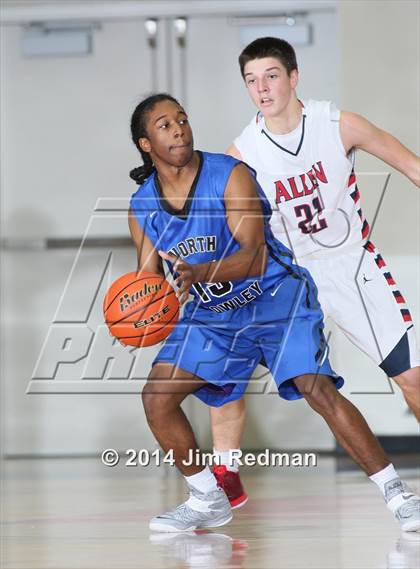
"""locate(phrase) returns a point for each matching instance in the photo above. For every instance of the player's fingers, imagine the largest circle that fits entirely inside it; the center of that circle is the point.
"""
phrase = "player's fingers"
(168, 257)
(184, 290)
(181, 266)
(184, 297)
(185, 273)
(180, 284)
(181, 276)
(184, 286)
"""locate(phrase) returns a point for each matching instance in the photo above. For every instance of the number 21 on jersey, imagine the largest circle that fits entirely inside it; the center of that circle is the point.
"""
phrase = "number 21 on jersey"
(308, 212)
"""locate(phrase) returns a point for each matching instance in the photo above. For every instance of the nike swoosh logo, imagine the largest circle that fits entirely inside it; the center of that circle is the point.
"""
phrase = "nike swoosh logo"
(407, 496)
(276, 289)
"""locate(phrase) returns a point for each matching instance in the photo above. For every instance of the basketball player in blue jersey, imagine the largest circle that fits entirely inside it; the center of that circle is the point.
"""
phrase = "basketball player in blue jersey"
(303, 156)
(207, 217)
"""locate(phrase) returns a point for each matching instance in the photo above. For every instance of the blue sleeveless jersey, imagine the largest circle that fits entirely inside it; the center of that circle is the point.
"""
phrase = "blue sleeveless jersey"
(200, 233)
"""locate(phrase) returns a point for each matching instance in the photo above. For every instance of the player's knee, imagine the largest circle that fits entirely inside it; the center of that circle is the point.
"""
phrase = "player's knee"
(232, 411)
(409, 381)
(149, 400)
(155, 404)
(319, 391)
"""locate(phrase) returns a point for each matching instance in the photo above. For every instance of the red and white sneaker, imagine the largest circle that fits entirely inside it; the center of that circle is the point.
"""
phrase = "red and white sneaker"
(231, 483)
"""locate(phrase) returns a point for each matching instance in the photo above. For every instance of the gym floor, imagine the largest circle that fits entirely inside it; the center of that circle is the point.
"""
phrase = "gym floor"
(77, 513)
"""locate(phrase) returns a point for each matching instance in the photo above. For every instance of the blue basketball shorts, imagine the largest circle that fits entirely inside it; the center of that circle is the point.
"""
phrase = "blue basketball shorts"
(282, 328)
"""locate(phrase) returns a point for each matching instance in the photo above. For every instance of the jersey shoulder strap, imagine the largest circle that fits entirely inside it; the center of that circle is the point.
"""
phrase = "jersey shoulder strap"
(215, 173)
(321, 109)
(246, 141)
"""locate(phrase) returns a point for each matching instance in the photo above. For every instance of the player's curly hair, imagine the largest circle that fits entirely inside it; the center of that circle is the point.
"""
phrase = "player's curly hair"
(269, 47)
(138, 130)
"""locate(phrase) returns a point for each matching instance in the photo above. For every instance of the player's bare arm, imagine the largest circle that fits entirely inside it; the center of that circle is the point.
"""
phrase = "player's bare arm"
(233, 151)
(147, 256)
(358, 132)
(246, 223)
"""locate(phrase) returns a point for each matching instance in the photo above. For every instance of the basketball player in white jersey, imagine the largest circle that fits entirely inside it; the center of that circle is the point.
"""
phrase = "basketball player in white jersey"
(303, 154)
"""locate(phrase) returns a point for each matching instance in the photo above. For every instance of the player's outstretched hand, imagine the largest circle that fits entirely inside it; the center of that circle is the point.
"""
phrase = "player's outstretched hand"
(186, 275)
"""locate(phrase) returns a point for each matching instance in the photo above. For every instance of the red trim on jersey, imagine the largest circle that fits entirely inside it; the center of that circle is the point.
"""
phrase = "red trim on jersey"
(380, 262)
(406, 315)
(365, 230)
(389, 279)
(369, 246)
(352, 179)
(398, 297)
(355, 195)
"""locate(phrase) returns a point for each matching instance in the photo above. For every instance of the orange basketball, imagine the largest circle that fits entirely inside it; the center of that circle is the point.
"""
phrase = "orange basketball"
(141, 309)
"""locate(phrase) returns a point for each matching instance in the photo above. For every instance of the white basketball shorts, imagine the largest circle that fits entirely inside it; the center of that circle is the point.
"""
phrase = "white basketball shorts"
(357, 291)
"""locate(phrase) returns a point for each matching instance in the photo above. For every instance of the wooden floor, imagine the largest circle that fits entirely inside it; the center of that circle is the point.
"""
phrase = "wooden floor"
(78, 514)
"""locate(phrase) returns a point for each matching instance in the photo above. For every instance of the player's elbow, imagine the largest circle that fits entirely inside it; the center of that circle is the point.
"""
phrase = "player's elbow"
(258, 260)
(414, 174)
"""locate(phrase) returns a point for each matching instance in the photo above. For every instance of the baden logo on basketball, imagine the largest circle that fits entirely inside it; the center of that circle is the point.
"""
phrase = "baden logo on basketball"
(128, 300)
(141, 309)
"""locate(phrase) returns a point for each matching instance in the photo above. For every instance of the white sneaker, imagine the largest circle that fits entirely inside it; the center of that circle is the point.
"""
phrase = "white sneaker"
(404, 504)
(201, 510)
(408, 514)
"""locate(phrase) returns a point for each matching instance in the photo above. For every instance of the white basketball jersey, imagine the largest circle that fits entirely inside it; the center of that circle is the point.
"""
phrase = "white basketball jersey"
(308, 179)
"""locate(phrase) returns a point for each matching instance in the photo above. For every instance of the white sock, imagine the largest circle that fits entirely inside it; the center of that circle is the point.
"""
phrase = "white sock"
(203, 481)
(225, 457)
(391, 486)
